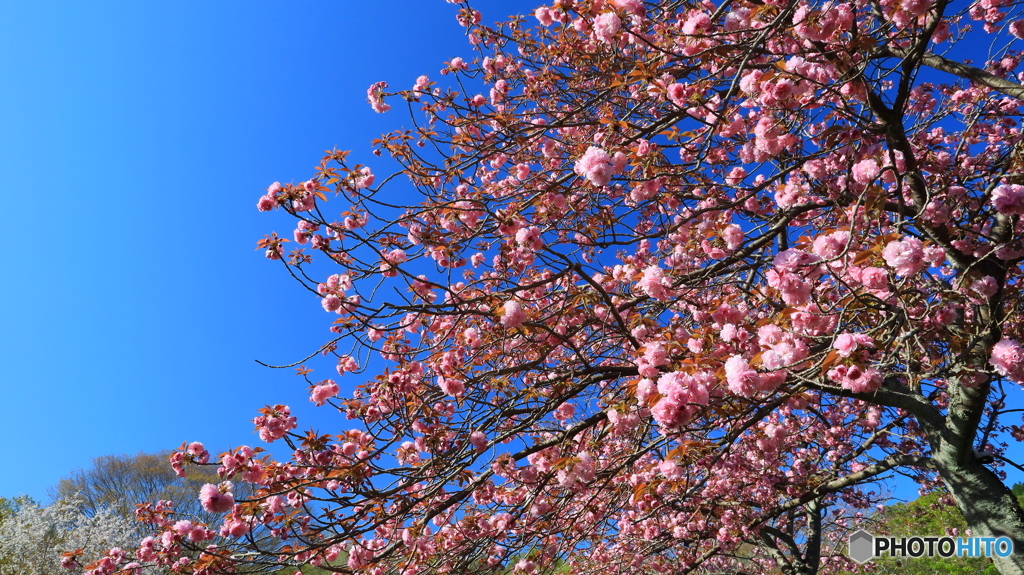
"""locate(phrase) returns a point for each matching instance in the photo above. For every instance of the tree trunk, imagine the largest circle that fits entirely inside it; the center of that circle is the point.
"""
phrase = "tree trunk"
(989, 507)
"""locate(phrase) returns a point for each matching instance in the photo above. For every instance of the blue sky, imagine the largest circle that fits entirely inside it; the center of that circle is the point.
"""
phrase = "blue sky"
(136, 139)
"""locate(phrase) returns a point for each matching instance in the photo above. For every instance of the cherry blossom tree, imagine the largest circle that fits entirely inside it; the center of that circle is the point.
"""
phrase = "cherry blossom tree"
(656, 281)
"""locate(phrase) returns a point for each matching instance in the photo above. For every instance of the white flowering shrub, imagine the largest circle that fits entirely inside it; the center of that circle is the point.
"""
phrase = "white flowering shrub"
(33, 538)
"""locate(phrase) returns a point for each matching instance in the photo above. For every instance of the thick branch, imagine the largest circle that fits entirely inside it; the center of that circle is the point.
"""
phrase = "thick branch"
(976, 75)
(869, 472)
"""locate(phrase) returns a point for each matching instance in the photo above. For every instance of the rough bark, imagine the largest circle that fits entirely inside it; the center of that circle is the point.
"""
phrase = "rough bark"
(989, 507)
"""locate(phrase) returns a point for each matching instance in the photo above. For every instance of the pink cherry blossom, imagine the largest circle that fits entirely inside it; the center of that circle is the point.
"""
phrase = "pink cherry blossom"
(678, 94)
(1017, 29)
(1008, 198)
(741, 378)
(375, 95)
(671, 470)
(847, 343)
(217, 498)
(856, 379)
(831, 245)
(347, 364)
(363, 178)
(696, 23)
(198, 452)
(794, 259)
(529, 237)
(655, 284)
(266, 203)
(543, 15)
(595, 166)
(512, 314)
(733, 236)
(986, 286)
(865, 171)
(234, 528)
(1008, 359)
(564, 412)
(874, 278)
(451, 386)
(323, 391)
(478, 440)
(905, 256)
(795, 290)
(606, 26)
(635, 7)
(275, 422)
(330, 302)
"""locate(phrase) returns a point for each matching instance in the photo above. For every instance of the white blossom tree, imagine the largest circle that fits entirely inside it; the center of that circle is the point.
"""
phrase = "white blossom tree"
(34, 538)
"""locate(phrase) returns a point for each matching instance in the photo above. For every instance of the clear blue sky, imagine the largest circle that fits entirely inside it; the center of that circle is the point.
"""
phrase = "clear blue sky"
(135, 139)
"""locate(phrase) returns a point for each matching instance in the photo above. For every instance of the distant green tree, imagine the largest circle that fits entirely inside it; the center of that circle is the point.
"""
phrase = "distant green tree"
(119, 482)
(116, 484)
(7, 508)
(929, 515)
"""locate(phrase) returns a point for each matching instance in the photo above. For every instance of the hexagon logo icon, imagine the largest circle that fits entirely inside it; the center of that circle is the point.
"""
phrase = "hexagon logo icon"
(862, 546)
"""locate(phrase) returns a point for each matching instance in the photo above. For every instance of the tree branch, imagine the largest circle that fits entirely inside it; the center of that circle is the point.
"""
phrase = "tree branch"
(976, 75)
